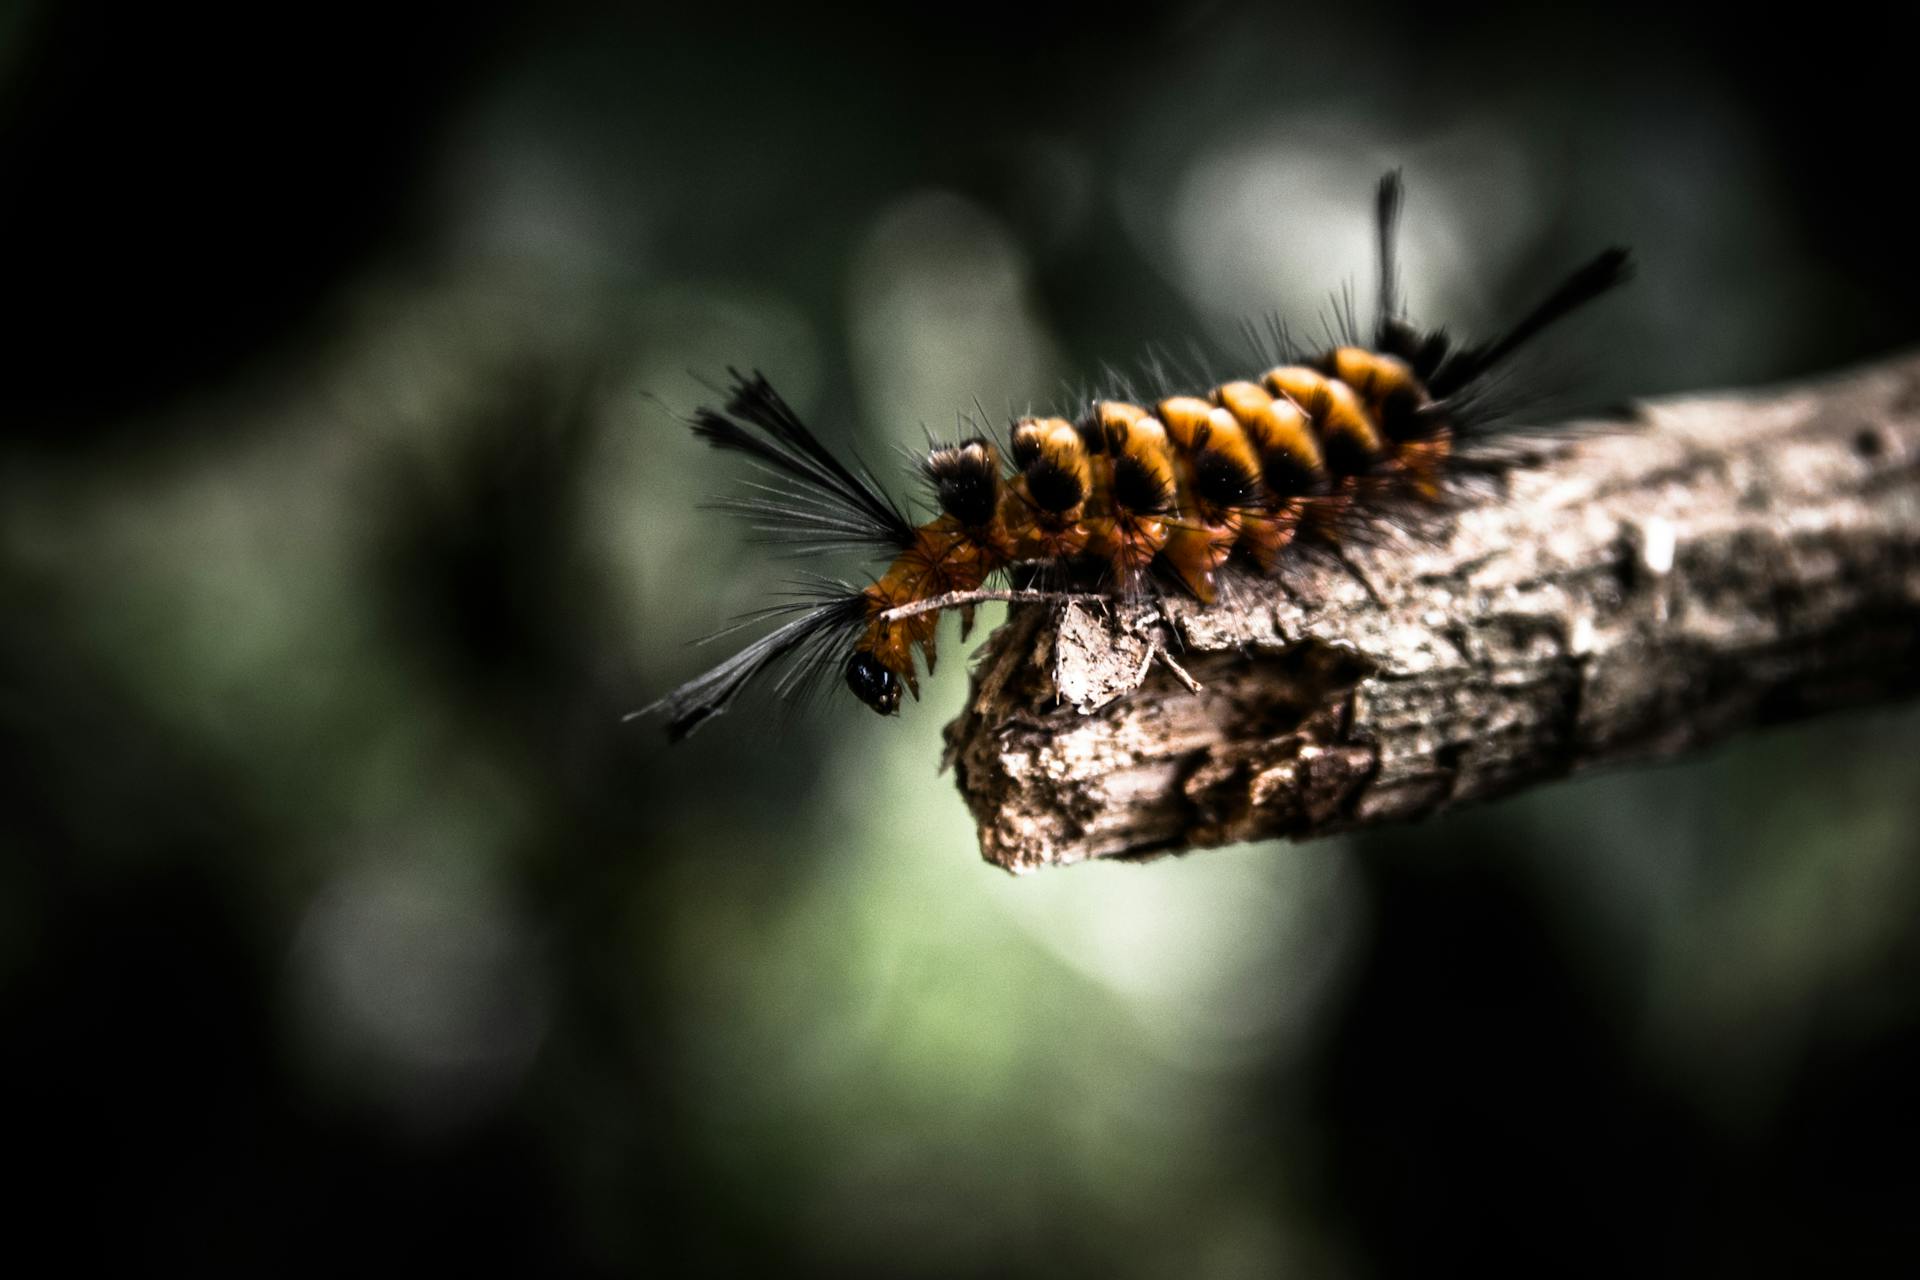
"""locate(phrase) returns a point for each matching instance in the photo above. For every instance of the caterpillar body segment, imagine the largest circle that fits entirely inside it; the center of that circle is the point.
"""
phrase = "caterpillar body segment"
(1044, 508)
(1316, 450)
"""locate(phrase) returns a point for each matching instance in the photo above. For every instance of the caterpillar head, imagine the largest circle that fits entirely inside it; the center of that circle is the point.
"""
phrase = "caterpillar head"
(872, 683)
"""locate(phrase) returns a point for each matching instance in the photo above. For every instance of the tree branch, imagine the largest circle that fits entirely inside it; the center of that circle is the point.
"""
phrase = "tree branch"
(1710, 564)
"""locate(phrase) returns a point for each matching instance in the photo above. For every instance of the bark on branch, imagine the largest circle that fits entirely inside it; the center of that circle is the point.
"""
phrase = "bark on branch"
(1711, 564)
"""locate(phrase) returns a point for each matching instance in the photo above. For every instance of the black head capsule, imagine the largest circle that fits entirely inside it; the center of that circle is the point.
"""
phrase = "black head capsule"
(872, 683)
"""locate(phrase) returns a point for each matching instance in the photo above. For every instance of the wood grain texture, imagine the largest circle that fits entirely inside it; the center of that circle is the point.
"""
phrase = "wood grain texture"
(1641, 588)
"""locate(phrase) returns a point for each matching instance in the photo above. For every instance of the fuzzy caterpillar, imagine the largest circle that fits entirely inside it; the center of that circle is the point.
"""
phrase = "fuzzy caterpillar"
(1166, 490)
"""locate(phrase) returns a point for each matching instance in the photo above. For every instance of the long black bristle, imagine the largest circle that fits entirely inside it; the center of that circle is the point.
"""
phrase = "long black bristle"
(1386, 228)
(1606, 271)
(830, 505)
(815, 640)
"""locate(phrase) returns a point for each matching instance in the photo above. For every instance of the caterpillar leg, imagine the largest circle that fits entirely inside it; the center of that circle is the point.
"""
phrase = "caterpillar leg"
(1196, 552)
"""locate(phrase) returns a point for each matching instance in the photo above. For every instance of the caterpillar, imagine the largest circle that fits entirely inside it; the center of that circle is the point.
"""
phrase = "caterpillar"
(1130, 493)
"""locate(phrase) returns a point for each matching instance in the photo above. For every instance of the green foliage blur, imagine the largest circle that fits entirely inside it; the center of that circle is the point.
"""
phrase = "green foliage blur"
(344, 510)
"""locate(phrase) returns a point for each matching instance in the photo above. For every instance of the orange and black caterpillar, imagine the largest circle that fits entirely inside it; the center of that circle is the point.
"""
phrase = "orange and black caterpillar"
(1168, 488)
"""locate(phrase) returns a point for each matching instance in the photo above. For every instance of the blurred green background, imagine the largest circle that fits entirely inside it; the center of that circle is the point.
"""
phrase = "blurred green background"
(343, 512)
